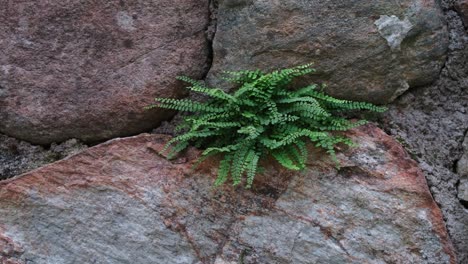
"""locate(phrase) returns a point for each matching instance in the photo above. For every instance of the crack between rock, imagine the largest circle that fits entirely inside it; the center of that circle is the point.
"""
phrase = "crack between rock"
(210, 32)
(179, 228)
(294, 241)
(325, 231)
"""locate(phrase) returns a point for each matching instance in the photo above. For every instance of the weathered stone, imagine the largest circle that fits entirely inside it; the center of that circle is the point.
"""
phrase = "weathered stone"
(363, 50)
(463, 190)
(120, 202)
(85, 69)
(432, 121)
(462, 8)
(18, 157)
(462, 170)
(462, 164)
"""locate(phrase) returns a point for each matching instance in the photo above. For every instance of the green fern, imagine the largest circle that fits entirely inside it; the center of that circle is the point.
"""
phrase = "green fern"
(262, 117)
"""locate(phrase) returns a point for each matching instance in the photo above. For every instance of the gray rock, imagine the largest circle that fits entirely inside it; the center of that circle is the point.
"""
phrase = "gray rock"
(432, 121)
(463, 190)
(462, 8)
(462, 170)
(462, 164)
(363, 50)
(393, 30)
(85, 70)
(120, 202)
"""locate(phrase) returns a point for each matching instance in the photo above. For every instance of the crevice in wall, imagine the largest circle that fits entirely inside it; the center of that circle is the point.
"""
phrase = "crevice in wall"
(460, 186)
(168, 126)
(210, 33)
(18, 157)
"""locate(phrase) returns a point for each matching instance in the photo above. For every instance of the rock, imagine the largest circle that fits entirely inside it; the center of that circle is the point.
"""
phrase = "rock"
(85, 70)
(462, 170)
(462, 164)
(370, 51)
(432, 121)
(120, 202)
(463, 190)
(18, 157)
(462, 8)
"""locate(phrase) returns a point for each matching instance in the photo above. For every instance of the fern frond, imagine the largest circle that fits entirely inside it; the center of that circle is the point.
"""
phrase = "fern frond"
(252, 168)
(284, 159)
(239, 164)
(303, 152)
(197, 125)
(288, 139)
(245, 76)
(178, 148)
(305, 109)
(223, 170)
(299, 99)
(216, 150)
(186, 105)
(199, 87)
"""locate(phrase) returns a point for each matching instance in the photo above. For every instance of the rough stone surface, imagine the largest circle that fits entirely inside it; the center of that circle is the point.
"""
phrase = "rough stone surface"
(463, 191)
(462, 8)
(85, 69)
(364, 50)
(433, 121)
(462, 170)
(462, 164)
(120, 202)
(18, 157)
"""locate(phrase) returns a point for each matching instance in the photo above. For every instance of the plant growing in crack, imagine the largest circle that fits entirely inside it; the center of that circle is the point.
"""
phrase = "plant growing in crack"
(263, 117)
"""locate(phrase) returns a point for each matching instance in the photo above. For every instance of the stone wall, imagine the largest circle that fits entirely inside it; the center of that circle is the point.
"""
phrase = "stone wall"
(76, 70)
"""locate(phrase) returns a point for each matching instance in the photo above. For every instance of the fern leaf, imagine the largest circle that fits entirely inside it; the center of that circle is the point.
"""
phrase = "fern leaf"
(252, 160)
(187, 105)
(284, 159)
(178, 148)
(223, 170)
(238, 164)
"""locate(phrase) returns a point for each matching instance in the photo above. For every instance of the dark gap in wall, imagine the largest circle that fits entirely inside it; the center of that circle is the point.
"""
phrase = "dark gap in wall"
(210, 32)
(464, 204)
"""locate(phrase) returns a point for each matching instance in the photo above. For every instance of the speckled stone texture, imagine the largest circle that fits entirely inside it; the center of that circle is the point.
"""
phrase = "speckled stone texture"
(462, 8)
(120, 202)
(462, 170)
(364, 50)
(432, 121)
(85, 69)
(17, 157)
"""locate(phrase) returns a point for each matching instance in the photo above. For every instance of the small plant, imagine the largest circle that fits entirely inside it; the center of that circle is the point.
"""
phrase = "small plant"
(263, 117)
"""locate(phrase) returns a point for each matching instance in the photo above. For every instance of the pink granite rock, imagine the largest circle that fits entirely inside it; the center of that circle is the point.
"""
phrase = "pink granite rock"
(119, 202)
(85, 69)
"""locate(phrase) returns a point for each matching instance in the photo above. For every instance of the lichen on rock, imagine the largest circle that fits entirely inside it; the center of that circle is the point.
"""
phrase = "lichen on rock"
(393, 30)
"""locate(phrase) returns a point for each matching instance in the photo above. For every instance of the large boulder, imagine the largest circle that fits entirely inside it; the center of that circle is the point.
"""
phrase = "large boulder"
(85, 69)
(120, 202)
(364, 50)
